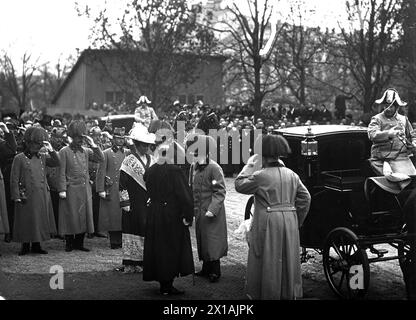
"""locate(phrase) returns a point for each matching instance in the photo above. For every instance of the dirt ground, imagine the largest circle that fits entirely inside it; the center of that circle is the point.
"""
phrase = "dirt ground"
(91, 275)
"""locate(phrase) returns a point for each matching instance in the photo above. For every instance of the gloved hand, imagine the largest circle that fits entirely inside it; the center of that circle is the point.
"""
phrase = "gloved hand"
(47, 145)
(62, 194)
(4, 127)
(90, 142)
(186, 223)
(209, 214)
(103, 194)
(394, 131)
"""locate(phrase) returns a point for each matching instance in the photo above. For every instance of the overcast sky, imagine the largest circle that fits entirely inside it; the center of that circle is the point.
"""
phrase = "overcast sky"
(50, 28)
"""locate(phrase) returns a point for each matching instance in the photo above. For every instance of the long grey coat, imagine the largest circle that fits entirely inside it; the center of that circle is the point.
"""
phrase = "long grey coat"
(34, 220)
(110, 211)
(209, 194)
(75, 212)
(281, 203)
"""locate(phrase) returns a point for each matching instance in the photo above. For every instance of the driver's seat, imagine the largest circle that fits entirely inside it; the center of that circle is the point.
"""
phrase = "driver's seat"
(385, 210)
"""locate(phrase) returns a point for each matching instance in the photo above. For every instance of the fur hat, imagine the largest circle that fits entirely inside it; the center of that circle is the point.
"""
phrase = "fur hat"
(77, 128)
(35, 134)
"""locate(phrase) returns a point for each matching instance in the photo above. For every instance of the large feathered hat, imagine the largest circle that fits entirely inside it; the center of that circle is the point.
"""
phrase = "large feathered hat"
(141, 134)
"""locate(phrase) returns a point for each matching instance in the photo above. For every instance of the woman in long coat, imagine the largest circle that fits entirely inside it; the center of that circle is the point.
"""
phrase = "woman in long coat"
(34, 220)
(108, 185)
(280, 207)
(167, 244)
(132, 171)
(75, 203)
(208, 185)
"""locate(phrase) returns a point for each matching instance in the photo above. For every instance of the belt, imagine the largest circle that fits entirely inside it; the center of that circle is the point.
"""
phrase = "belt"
(281, 207)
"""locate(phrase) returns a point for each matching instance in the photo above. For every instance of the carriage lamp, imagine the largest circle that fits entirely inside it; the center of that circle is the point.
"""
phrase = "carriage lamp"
(309, 149)
(309, 146)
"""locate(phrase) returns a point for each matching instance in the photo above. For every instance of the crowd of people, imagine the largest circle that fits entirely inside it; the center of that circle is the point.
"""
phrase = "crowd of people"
(71, 178)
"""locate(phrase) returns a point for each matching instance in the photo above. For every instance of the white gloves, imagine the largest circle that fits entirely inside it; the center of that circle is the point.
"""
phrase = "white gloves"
(47, 146)
(4, 127)
(62, 194)
(90, 141)
(103, 194)
(394, 131)
(209, 214)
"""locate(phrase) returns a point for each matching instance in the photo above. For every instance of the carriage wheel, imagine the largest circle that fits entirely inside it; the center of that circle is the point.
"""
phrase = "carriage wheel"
(346, 264)
(248, 213)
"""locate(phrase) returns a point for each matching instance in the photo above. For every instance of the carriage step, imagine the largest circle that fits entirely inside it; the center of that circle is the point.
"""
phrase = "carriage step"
(378, 252)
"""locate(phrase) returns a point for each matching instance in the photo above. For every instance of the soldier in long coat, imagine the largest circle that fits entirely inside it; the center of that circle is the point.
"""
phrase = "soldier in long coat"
(280, 207)
(96, 134)
(34, 220)
(108, 184)
(167, 246)
(57, 141)
(208, 185)
(75, 204)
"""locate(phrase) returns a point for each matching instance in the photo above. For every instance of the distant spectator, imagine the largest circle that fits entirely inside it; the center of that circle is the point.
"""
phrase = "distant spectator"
(144, 113)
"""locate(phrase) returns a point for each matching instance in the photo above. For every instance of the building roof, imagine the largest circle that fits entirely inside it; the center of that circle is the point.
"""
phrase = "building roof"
(89, 52)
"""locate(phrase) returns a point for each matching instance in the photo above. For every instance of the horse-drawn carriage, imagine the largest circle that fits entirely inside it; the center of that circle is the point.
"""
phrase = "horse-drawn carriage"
(350, 216)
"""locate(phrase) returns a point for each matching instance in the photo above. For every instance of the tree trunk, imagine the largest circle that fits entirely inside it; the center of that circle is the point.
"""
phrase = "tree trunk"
(258, 96)
(368, 99)
(302, 89)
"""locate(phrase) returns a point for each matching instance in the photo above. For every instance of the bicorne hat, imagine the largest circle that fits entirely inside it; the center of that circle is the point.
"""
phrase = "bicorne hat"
(390, 97)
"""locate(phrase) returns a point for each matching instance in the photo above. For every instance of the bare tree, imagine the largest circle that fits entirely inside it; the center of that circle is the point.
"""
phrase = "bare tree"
(369, 47)
(301, 49)
(249, 62)
(19, 80)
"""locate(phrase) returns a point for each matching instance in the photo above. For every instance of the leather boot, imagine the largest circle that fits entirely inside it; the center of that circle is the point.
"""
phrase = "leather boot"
(25, 249)
(79, 242)
(36, 248)
(69, 243)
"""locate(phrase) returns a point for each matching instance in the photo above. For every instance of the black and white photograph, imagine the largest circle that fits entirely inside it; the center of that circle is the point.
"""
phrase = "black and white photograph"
(208, 154)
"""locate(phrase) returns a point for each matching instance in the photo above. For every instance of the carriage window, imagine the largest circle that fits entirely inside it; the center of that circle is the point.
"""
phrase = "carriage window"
(343, 153)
